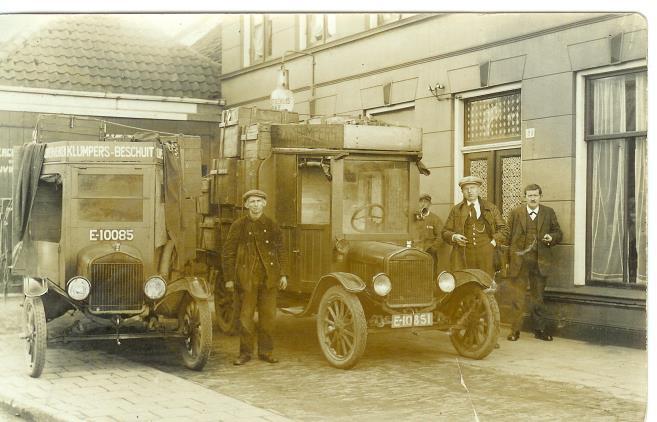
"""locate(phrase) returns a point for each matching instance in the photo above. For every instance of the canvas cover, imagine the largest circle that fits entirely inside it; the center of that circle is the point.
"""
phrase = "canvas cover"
(26, 181)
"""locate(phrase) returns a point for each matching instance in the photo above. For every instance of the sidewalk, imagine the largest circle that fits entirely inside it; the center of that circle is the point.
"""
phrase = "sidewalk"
(94, 385)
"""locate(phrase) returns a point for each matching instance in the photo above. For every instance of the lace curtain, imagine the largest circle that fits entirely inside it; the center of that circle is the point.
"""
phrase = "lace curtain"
(609, 173)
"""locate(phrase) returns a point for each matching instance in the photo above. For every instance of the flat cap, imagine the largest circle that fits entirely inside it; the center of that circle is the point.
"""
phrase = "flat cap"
(471, 180)
(254, 192)
(425, 196)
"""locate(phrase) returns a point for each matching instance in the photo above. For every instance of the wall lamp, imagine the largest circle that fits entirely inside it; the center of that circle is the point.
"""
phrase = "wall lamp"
(283, 81)
(437, 91)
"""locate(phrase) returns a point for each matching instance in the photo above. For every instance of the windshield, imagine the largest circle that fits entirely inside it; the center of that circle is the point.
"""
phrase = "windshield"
(375, 196)
(110, 197)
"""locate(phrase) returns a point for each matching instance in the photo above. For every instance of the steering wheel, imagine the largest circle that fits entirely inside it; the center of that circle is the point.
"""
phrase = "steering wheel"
(366, 213)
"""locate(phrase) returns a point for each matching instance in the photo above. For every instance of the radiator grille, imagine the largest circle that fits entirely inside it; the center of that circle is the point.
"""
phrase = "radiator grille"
(116, 284)
(412, 281)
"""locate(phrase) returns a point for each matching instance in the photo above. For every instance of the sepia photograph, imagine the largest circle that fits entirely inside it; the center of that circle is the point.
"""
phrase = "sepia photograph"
(324, 214)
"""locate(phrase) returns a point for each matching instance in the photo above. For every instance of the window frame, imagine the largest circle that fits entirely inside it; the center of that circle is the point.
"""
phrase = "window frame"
(630, 139)
(248, 39)
(580, 259)
(325, 23)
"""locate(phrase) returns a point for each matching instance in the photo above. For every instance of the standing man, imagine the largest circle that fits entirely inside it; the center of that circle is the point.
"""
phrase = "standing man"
(474, 228)
(254, 260)
(533, 230)
(428, 228)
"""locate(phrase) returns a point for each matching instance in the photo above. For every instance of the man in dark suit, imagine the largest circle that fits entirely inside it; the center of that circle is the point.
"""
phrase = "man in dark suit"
(428, 228)
(254, 257)
(532, 230)
(474, 228)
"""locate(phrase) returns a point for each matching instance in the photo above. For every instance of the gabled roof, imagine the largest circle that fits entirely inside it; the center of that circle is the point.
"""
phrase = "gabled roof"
(210, 44)
(104, 53)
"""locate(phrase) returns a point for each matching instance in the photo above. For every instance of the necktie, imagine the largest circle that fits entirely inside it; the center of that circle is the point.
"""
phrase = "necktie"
(532, 214)
(473, 212)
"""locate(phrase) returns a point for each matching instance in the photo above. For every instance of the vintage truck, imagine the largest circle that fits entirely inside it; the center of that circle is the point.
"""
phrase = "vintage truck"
(105, 225)
(344, 195)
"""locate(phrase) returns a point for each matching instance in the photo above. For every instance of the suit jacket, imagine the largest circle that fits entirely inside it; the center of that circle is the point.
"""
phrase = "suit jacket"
(517, 237)
(455, 224)
(428, 232)
(240, 256)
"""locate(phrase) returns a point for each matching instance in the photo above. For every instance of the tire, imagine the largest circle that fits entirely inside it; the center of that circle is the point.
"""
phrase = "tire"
(475, 336)
(341, 328)
(196, 326)
(36, 335)
(226, 309)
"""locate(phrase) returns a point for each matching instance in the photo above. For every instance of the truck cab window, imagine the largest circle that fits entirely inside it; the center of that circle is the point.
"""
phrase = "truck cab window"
(375, 196)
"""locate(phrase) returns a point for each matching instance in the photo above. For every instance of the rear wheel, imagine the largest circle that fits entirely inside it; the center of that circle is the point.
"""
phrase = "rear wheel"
(36, 335)
(196, 325)
(226, 308)
(476, 319)
(341, 328)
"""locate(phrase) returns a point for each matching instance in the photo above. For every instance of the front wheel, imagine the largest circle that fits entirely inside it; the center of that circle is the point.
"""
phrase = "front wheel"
(36, 334)
(476, 319)
(196, 326)
(341, 328)
(227, 308)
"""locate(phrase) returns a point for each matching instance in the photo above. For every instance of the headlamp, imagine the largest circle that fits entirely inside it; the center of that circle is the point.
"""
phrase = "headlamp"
(446, 282)
(381, 284)
(155, 287)
(78, 288)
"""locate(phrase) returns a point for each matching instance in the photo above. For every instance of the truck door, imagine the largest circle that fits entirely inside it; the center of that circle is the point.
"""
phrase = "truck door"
(311, 257)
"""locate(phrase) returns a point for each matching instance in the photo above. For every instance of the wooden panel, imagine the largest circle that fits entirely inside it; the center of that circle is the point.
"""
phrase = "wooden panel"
(381, 137)
(307, 136)
(225, 191)
(314, 259)
(286, 189)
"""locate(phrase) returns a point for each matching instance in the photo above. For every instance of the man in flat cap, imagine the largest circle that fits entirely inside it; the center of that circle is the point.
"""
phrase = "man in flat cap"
(427, 229)
(474, 228)
(255, 262)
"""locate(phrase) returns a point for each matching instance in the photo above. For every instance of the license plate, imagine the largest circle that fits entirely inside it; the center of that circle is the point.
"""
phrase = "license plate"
(423, 319)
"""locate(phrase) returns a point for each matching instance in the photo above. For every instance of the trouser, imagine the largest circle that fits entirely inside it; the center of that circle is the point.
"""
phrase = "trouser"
(264, 299)
(481, 257)
(527, 290)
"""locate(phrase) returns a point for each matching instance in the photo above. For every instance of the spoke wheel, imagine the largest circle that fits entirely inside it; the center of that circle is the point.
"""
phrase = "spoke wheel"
(226, 308)
(196, 325)
(477, 322)
(36, 335)
(341, 327)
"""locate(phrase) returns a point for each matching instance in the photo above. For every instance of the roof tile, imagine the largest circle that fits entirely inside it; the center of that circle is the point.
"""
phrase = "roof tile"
(102, 53)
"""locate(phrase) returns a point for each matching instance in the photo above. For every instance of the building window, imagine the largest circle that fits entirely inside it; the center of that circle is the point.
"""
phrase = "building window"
(320, 28)
(492, 119)
(257, 39)
(379, 19)
(616, 138)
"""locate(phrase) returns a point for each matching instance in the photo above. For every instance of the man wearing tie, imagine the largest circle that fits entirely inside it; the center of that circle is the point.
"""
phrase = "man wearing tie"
(474, 228)
(532, 231)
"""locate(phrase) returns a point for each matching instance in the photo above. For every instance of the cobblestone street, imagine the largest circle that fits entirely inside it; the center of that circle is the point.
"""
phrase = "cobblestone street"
(402, 376)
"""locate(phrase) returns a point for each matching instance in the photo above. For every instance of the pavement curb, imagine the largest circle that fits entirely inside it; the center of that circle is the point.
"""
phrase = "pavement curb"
(27, 411)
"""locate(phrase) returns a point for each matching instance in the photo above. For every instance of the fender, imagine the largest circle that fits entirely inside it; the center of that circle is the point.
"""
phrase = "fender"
(473, 276)
(195, 286)
(33, 287)
(350, 282)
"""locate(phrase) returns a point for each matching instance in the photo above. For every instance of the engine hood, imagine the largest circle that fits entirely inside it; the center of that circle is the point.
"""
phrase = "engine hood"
(371, 252)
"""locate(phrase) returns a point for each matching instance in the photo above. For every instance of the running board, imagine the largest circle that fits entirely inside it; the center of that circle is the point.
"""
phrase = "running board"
(121, 336)
(296, 311)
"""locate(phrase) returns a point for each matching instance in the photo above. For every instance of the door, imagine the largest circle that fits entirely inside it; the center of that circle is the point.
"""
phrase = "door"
(311, 258)
(500, 171)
